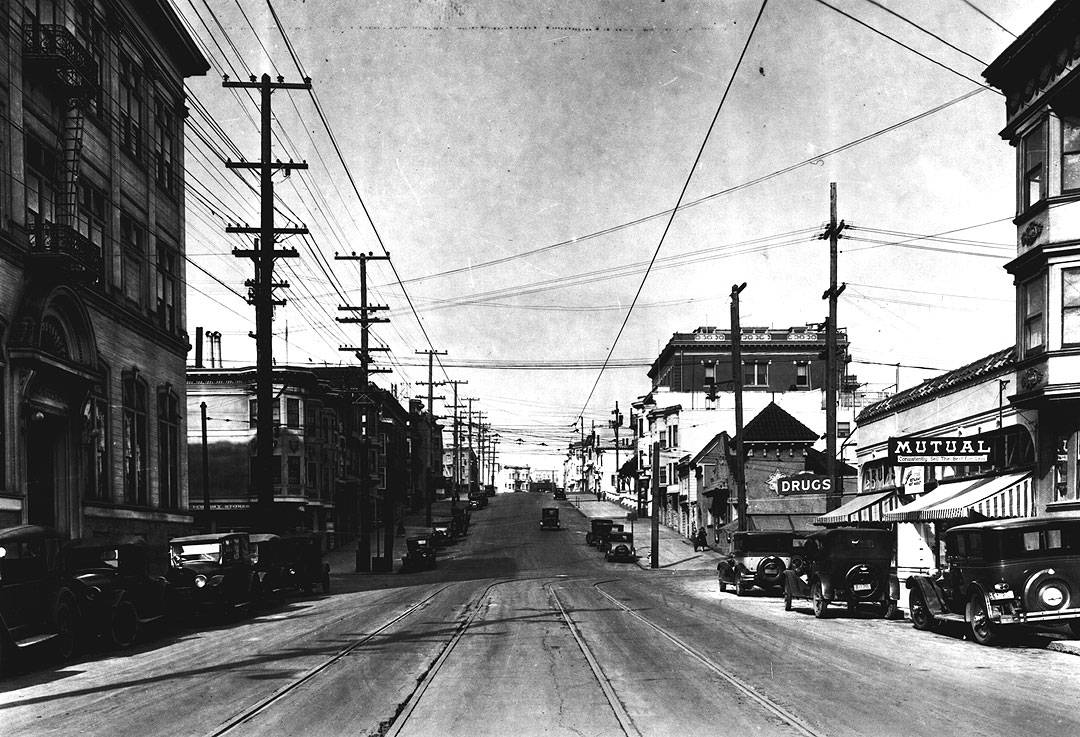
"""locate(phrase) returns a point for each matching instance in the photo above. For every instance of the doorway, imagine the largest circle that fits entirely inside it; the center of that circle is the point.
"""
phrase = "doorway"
(44, 467)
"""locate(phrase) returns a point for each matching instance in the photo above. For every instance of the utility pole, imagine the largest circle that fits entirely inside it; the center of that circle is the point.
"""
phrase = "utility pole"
(581, 475)
(737, 378)
(654, 508)
(481, 445)
(431, 384)
(833, 497)
(468, 458)
(491, 466)
(261, 288)
(616, 423)
(363, 353)
(456, 492)
(206, 471)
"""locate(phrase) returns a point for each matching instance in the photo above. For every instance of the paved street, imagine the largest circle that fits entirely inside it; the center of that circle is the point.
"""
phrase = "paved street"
(521, 631)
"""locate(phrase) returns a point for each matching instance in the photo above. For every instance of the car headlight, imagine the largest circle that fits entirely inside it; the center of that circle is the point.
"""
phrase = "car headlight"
(200, 581)
(92, 592)
(1051, 596)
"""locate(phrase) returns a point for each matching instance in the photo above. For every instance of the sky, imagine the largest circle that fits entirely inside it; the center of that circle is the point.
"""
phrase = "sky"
(519, 160)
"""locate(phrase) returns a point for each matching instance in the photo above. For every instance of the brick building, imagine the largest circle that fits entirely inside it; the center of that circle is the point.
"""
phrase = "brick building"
(92, 332)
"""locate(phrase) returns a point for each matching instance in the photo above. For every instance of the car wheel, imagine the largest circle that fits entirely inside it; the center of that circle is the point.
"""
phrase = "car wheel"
(65, 643)
(983, 630)
(740, 589)
(817, 597)
(723, 586)
(888, 609)
(124, 625)
(920, 615)
(787, 602)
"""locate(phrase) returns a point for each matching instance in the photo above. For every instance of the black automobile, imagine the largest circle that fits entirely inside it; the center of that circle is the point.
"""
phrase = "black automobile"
(119, 596)
(478, 499)
(440, 534)
(603, 537)
(460, 517)
(597, 527)
(757, 558)
(1003, 573)
(269, 562)
(38, 605)
(549, 518)
(560, 495)
(621, 547)
(211, 571)
(419, 554)
(307, 567)
(848, 565)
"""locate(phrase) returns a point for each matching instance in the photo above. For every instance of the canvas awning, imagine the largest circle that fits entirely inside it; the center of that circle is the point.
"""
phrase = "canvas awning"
(1008, 495)
(863, 508)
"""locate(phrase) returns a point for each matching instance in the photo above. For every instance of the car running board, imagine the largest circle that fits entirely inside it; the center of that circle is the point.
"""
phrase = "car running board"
(35, 639)
(949, 617)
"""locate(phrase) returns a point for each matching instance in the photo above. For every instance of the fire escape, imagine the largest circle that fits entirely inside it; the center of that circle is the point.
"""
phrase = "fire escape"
(53, 54)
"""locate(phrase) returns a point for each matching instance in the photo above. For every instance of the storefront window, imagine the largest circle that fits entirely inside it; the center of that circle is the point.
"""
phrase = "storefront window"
(1033, 299)
(1033, 163)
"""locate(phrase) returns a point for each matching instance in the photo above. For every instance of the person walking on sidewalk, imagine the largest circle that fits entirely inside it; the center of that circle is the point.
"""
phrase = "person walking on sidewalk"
(701, 540)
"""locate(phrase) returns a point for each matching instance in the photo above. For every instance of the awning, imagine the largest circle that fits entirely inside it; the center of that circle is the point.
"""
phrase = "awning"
(1010, 495)
(863, 508)
(955, 500)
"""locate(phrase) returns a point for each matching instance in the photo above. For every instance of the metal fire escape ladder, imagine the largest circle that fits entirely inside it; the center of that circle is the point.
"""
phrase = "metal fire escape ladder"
(70, 144)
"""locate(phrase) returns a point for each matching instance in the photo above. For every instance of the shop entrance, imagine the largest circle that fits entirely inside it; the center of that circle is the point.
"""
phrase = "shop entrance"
(45, 441)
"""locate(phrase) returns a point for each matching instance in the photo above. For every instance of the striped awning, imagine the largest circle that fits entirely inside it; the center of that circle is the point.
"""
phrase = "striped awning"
(1008, 495)
(863, 508)
(911, 511)
(1011, 495)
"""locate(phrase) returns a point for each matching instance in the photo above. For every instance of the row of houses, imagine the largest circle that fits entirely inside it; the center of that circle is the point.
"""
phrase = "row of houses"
(998, 437)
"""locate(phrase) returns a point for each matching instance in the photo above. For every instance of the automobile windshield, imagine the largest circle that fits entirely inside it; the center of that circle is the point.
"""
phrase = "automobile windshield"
(197, 552)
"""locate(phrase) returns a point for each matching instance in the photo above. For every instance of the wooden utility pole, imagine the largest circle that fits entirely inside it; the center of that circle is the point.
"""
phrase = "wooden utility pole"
(654, 509)
(616, 423)
(833, 497)
(261, 290)
(431, 384)
(456, 491)
(367, 405)
(468, 458)
(737, 379)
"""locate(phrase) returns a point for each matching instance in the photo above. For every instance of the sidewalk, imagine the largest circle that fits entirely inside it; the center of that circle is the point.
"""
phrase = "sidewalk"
(343, 558)
(676, 552)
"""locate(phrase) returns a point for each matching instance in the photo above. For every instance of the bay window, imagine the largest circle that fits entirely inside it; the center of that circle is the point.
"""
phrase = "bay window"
(1033, 165)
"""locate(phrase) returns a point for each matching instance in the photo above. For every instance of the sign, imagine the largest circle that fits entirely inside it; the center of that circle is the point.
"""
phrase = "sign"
(939, 451)
(806, 484)
(913, 481)
(218, 506)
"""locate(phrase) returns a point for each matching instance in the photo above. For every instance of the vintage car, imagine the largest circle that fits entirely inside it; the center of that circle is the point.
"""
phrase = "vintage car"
(269, 563)
(460, 517)
(757, 558)
(119, 596)
(440, 534)
(560, 494)
(478, 499)
(597, 527)
(38, 605)
(211, 571)
(1003, 573)
(419, 554)
(549, 518)
(621, 547)
(603, 537)
(307, 565)
(846, 564)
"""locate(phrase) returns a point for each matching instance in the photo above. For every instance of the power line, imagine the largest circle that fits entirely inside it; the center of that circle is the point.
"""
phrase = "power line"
(678, 202)
(933, 35)
(984, 15)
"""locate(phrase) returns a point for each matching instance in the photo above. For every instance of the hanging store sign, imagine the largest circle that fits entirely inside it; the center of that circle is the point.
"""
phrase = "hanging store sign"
(939, 451)
(805, 484)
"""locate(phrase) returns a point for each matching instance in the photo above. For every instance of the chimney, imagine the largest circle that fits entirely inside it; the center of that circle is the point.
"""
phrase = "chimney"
(198, 347)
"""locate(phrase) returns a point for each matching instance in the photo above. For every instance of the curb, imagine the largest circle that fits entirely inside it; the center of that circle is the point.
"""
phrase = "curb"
(1070, 647)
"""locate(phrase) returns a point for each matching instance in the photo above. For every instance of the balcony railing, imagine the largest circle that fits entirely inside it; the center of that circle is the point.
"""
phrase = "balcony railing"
(56, 47)
(64, 247)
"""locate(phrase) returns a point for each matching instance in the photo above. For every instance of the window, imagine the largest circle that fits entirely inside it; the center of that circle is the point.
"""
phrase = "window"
(41, 168)
(1033, 165)
(89, 32)
(253, 413)
(802, 374)
(1032, 300)
(132, 256)
(843, 429)
(756, 373)
(1070, 306)
(293, 463)
(168, 449)
(129, 118)
(168, 286)
(312, 474)
(164, 144)
(96, 424)
(663, 475)
(1070, 154)
(135, 439)
(673, 436)
(292, 412)
(91, 214)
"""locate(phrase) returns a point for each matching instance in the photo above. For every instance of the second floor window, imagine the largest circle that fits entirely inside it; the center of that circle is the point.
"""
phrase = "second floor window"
(1031, 303)
(136, 458)
(1070, 154)
(168, 286)
(168, 449)
(92, 214)
(164, 145)
(292, 412)
(802, 375)
(756, 374)
(1070, 306)
(132, 256)
(40, 182)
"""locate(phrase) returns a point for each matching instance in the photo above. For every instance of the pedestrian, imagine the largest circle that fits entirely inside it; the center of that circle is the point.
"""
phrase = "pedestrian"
(694, 537)
(702, 540)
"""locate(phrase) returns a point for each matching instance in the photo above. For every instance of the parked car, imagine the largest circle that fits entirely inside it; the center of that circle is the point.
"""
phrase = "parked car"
(621, 547)
(38, 605)
(603, 537)
(1003, 573)
(118, 595)
(560, 495)
(440, 534)
(268, 563)
(307, 565)
(419, 554)
(597, 526)
(847, 564)
(756, 559)
(549, 518)
(211, 571)
(460, 517)
(478, 499)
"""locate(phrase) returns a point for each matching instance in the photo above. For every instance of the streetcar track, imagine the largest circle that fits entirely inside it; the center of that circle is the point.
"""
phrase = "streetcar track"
(279, 694)
(739, 684)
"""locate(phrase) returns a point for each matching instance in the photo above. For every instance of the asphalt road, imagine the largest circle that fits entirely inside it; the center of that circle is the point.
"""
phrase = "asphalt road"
(522, 632)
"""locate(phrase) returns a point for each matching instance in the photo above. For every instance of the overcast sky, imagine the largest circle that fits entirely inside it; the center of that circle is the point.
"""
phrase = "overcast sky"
(545, 135)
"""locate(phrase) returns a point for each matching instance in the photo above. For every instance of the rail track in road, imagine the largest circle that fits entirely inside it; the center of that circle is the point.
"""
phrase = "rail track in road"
(283, 692)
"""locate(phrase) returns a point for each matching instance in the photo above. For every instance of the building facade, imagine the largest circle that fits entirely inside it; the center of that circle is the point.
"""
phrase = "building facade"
(93, 338)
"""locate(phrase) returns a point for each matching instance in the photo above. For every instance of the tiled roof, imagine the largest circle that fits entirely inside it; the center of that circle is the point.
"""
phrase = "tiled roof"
(947, 382)
(773, 424)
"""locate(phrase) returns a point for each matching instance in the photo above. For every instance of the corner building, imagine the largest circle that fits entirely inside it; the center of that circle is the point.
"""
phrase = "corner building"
(92, 333)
